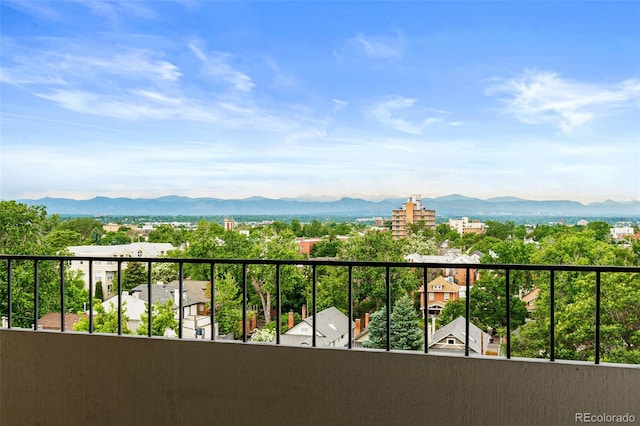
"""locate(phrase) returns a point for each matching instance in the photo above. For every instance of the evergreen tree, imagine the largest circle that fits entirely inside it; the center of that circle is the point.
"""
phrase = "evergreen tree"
(377, 330)
(99, 293)
(405, 330)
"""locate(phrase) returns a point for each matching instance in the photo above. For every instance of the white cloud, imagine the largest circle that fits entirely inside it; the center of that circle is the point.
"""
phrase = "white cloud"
(217, 65)
(377, 48)
(402, 114)
(544, 97)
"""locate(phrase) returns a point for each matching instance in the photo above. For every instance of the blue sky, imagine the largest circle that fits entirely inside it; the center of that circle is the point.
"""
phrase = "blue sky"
(320, 99)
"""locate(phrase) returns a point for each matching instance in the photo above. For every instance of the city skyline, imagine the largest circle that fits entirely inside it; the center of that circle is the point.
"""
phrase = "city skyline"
(230, 100)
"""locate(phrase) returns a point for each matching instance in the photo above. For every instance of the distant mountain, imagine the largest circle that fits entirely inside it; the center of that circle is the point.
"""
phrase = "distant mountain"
(451, 205)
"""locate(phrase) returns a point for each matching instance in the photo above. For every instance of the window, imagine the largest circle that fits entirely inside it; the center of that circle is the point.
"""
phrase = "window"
(431, 297)
(446, 296)
(451, 342)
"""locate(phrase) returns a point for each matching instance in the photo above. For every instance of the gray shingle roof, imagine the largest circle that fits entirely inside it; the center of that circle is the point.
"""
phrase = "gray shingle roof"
(456, 328)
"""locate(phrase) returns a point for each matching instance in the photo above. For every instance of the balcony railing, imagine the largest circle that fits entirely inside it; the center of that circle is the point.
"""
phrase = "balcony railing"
(7, 303)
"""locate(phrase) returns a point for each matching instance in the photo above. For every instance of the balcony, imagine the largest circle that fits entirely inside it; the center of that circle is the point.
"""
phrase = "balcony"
(63, 377)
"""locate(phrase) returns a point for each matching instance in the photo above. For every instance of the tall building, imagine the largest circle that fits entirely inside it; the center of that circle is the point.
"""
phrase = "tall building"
(411, 212)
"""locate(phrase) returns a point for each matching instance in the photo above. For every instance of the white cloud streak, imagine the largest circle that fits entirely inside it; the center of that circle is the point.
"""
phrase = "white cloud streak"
(217, 65)
(544, 97)
(402, 114)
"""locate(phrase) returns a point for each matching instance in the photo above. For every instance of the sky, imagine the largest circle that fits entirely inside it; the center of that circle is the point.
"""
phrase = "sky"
(320, 99)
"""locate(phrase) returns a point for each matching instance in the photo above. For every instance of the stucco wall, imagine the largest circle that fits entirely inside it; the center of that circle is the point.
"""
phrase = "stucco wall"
(49, 378)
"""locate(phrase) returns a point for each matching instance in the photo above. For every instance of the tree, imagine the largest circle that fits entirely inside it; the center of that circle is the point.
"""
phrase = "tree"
(134, 275)
(115, 238)
(452, 310)
(405, 329)
(60, 239)
(103, 321)
(84, 226)
(574, 302)
(228, 305)
(369, 286)
(162, 319)
(99, 292)
(377, 330)
(418, 243)
(326, 248)
(22, 231)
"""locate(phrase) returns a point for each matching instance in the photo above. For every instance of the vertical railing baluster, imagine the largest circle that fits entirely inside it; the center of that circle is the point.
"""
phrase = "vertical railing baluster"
(62, 293)
(212, 297)
(91, 295)
(314, 291)
(9, 293)
(36, 295)
(552, 313)
(119, 297)
(244, 301)
(508, 303)
(180, 302)
(425, 311)
(387, 283)
(149, 303)
(597, 344)
(350, 303)
(278, 303)
(467, 310)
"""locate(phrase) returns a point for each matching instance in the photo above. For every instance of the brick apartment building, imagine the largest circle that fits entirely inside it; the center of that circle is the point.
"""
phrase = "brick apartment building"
(411, 212)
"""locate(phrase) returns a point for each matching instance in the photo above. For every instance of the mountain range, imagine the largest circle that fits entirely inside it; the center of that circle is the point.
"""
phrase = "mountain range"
(450, 205)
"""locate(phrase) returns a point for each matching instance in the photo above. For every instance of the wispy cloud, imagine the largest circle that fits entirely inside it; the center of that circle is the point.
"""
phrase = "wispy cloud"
(373, 46)
(544, 97)
(402, 114)
(217, 64)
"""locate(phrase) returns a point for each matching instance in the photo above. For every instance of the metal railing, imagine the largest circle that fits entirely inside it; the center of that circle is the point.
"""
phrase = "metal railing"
(9, 260)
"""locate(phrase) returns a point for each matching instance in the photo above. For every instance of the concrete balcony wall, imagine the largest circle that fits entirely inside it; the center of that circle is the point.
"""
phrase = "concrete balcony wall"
(49, 378)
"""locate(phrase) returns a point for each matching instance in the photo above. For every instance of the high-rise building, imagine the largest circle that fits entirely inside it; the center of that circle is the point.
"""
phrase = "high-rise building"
(411, 212)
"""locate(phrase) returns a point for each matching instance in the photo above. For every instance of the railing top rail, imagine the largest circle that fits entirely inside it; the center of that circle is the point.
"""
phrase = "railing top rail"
(346, 263)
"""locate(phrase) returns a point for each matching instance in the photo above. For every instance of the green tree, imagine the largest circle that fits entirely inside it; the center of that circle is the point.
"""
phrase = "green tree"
(165, 233)
(405, 329)
(134, 275)
(574, 302)
(452, 310)
(377, 330)
(99, 292)
(228, 305)
(115, 238)
(369, 283)
(103, 321)
(60, 239)
(84, 226)
(162, 319)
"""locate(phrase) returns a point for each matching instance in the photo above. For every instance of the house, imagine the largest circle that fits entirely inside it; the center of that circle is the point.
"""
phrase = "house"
(452, 256)
(196, 320)
(104, 272)
(51, 321)
(451, 338)
(331, 330)
(132, 307)
(529, 299)
(439, 292)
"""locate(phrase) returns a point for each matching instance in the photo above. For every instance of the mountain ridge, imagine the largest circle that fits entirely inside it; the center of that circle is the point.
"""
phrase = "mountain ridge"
(450, 205)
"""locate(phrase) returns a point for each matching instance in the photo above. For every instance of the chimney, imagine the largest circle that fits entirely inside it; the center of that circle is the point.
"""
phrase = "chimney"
(366, 320)
(357, 326)
(290, 323)
(304, 311)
